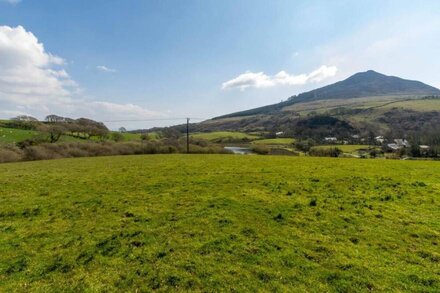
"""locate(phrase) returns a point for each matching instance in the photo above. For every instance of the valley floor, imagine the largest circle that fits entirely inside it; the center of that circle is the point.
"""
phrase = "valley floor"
(219, 222)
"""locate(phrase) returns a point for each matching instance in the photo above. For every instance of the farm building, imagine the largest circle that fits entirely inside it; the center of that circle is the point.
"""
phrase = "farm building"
(399, 144)
(331, 139)
(379, 139)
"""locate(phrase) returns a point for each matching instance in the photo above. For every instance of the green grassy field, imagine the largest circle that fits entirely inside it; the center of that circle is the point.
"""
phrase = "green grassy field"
(275, 141)
(131, 136)
(137, 136)
(220, 223)
(12, 135)
(224, 134)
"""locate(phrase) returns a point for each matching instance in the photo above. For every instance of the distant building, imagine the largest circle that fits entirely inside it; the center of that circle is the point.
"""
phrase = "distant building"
(424, 149)
(379, 139)
(279, 133)
(399, 144)
(331, 139)
(355, 136)
(402, 143)
(393, 146)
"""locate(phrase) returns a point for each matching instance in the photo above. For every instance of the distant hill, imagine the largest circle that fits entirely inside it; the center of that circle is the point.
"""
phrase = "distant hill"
(367, 84)
(359, 85)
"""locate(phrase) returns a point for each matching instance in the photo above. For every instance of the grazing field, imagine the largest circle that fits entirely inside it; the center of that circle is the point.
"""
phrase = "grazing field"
(220, 222)
(224, 134)
(422, 105)
(12, 135)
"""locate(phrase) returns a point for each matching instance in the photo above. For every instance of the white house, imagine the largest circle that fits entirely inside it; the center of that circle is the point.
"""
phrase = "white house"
(380, 139)
(331, 139)
(398, 144)
(393, 146)
(402, 142)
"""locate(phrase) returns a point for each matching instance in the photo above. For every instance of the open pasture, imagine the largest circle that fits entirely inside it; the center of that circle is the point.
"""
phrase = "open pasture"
(220, 222)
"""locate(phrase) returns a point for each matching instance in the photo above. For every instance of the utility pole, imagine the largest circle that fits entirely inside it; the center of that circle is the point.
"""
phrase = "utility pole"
(187, 135)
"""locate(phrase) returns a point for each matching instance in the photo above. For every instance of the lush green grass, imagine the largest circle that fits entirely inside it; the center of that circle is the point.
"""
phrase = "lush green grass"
(324, 106)
(137, 136)
(220, 222)
(422, 105)
(224, 134)
(275, 141)
(131, 136)
(12, 135)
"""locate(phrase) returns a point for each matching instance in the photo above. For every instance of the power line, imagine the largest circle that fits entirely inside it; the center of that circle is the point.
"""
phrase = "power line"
(187, 135)
(153, 119)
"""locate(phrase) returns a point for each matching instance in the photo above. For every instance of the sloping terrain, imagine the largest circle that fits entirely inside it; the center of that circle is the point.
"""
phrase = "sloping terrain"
(368, 84)
(359, 85)
(367, 101)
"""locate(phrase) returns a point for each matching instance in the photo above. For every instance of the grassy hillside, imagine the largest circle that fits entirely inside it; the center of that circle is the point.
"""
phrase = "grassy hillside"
(367, 84)
(378, 114)
(12, 135)
(242, 223)
(359, 85)
(275, 141)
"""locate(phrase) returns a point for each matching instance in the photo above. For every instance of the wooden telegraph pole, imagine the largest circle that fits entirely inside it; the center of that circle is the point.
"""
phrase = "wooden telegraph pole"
(187, 135)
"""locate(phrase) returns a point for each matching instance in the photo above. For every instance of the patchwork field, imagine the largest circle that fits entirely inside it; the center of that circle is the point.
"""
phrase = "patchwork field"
(220, 222)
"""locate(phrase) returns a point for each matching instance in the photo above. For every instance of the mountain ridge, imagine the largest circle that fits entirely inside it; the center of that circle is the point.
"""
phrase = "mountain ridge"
(358, 85)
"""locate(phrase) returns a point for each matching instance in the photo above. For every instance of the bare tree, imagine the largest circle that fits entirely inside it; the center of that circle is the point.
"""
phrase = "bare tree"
(25, 118)
(55, 132)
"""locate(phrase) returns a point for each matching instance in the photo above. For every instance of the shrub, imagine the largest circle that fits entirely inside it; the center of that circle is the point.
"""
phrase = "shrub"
(30, 151)
(261, 150)
(304, 145)
(10, 154)
(33, 153)
(325, 152)
(116, 136)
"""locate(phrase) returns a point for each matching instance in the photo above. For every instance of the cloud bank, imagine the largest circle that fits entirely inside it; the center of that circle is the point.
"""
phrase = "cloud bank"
(34, 82)
(261, 80)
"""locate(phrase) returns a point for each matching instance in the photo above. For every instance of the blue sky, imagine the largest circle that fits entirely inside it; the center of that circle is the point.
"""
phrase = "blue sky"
(114, 60)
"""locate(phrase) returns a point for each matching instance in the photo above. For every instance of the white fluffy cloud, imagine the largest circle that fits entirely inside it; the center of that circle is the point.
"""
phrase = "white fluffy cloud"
(28, 74)
(103, 68)
(34, 82)
(261, 80)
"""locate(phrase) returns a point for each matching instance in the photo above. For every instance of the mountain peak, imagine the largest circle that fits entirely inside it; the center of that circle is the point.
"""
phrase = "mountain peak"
(367, 84)
(371, 71)
(369, 74)
(362, 84)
